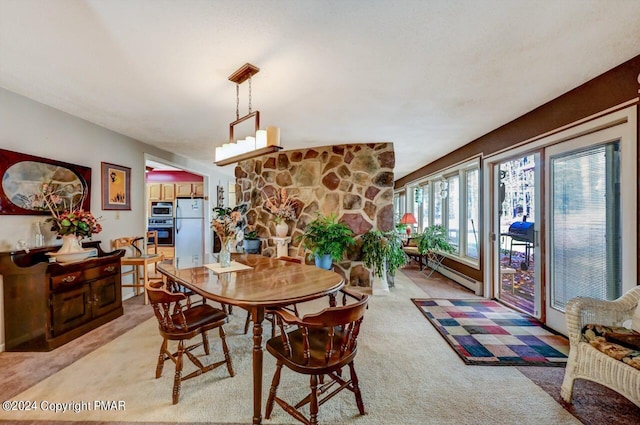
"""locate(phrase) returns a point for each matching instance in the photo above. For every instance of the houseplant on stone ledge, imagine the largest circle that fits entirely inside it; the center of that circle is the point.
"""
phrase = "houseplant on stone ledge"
(382, 252)
(327, 239)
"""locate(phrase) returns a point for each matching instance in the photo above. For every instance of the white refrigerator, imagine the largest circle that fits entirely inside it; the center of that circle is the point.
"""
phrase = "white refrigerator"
(189, 225)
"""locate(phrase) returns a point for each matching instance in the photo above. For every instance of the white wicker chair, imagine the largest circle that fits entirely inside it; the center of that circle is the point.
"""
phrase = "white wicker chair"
(585, 361)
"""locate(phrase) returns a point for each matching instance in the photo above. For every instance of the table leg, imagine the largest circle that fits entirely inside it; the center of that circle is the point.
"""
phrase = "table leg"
(145, 281)
(258, 316)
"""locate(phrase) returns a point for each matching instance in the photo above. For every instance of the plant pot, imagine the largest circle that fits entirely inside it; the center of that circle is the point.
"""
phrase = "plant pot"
(252, 246)
(324, 261)
(70, 244)
(71, 250)
(282, 229)
(379, 285)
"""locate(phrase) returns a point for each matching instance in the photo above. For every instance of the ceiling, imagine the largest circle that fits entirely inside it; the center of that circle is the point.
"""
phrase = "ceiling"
(427, 75)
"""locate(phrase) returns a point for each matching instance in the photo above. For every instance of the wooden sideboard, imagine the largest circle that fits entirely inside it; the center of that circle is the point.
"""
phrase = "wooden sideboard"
(48, 304)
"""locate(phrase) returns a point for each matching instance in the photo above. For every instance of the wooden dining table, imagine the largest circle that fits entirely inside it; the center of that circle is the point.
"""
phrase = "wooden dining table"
(268, 283)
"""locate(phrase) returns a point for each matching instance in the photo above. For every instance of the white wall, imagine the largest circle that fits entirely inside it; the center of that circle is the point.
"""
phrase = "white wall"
(32, 128)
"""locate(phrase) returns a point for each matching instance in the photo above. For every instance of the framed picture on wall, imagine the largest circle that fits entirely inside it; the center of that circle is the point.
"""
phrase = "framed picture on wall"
(116, 187)
(24, 179)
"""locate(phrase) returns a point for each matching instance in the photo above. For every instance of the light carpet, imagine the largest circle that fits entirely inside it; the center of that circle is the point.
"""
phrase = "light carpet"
(408, 375)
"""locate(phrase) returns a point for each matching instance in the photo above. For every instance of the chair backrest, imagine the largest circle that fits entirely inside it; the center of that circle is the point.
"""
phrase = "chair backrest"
(152, 242)
(167, 308)
(345, 319)
(130, 243)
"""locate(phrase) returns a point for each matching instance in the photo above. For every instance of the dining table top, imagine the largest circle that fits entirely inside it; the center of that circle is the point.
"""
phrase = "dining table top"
(269, 281)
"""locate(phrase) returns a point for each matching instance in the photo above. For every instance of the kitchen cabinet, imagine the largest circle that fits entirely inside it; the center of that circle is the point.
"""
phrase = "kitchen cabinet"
(161, 191)
(190, 190)
(47, 304)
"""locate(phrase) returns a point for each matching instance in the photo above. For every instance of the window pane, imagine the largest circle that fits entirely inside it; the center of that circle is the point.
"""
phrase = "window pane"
(398, 206)
(586, 235)
(453, 208)
(437, 203)
(416, 199)
(426, 190)
(473, 211)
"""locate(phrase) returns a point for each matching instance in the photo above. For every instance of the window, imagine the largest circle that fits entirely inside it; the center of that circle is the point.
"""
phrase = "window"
(398, 206)
(425, 213)
(453, 209)
(473, 212)
(452, 199)
(437, 203)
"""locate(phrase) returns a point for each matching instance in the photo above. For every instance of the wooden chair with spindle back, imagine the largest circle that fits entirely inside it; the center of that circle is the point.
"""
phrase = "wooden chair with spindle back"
(323, 344)
(180, 323)
(269, 316)
(138, 260)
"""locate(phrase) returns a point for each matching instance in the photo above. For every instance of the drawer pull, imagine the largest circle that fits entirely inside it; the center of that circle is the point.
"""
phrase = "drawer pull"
(68, 279)
(109, 269)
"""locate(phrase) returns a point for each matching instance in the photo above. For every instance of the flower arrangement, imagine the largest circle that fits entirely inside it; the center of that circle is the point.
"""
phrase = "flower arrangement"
(281, 206)
(228, 222)
(68, 220)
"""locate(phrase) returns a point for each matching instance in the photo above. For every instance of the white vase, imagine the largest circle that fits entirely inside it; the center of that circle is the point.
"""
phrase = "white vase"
(70, 245)
(379, 285)
(282, 229)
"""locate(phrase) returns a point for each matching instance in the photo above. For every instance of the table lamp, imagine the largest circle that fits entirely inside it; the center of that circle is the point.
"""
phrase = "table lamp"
(408, 219)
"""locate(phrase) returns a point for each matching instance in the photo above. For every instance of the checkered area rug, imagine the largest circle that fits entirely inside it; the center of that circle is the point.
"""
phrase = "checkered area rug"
(484, 332)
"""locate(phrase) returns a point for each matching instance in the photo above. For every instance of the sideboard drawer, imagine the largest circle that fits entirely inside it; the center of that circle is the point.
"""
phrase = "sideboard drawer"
(100, 271)
(66, 280)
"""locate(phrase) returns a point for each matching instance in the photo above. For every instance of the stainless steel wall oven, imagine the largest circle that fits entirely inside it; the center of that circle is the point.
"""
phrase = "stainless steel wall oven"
(165, 229)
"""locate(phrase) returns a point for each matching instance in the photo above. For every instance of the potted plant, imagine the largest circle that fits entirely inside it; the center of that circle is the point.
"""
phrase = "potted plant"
(251, 242)
(382, 252)
(327, 239)
(434, 238)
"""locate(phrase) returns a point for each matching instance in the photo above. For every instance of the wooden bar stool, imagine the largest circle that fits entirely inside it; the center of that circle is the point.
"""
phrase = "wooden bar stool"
(137, 258)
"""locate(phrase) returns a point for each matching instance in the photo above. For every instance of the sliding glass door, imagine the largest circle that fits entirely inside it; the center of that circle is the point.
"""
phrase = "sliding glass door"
(585, 228)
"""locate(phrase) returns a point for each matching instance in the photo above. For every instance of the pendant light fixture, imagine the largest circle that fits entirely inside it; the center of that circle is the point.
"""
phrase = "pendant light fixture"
(262, 142)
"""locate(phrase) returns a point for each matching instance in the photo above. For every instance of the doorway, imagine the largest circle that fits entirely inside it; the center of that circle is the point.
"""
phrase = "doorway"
(516, 216)
(578, 187)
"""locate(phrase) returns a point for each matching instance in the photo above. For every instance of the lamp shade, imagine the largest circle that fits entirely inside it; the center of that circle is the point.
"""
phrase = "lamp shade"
(408, 218)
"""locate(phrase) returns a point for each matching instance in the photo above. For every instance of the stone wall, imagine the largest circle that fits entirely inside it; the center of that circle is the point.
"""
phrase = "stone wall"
(353, 181)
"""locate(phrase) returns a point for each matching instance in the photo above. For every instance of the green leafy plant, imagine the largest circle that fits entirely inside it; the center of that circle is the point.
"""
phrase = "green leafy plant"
(434, 238)
(380, 248)
(325, 235)
(250, 233)
(401, 227)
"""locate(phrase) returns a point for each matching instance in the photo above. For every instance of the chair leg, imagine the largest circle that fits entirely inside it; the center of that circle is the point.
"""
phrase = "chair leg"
(205, 343)
(178, 375)
(163, 350)
(246, 323)
(225, 350)
(273, 326)
(313, 402)
(274, 388)
(356, 388)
